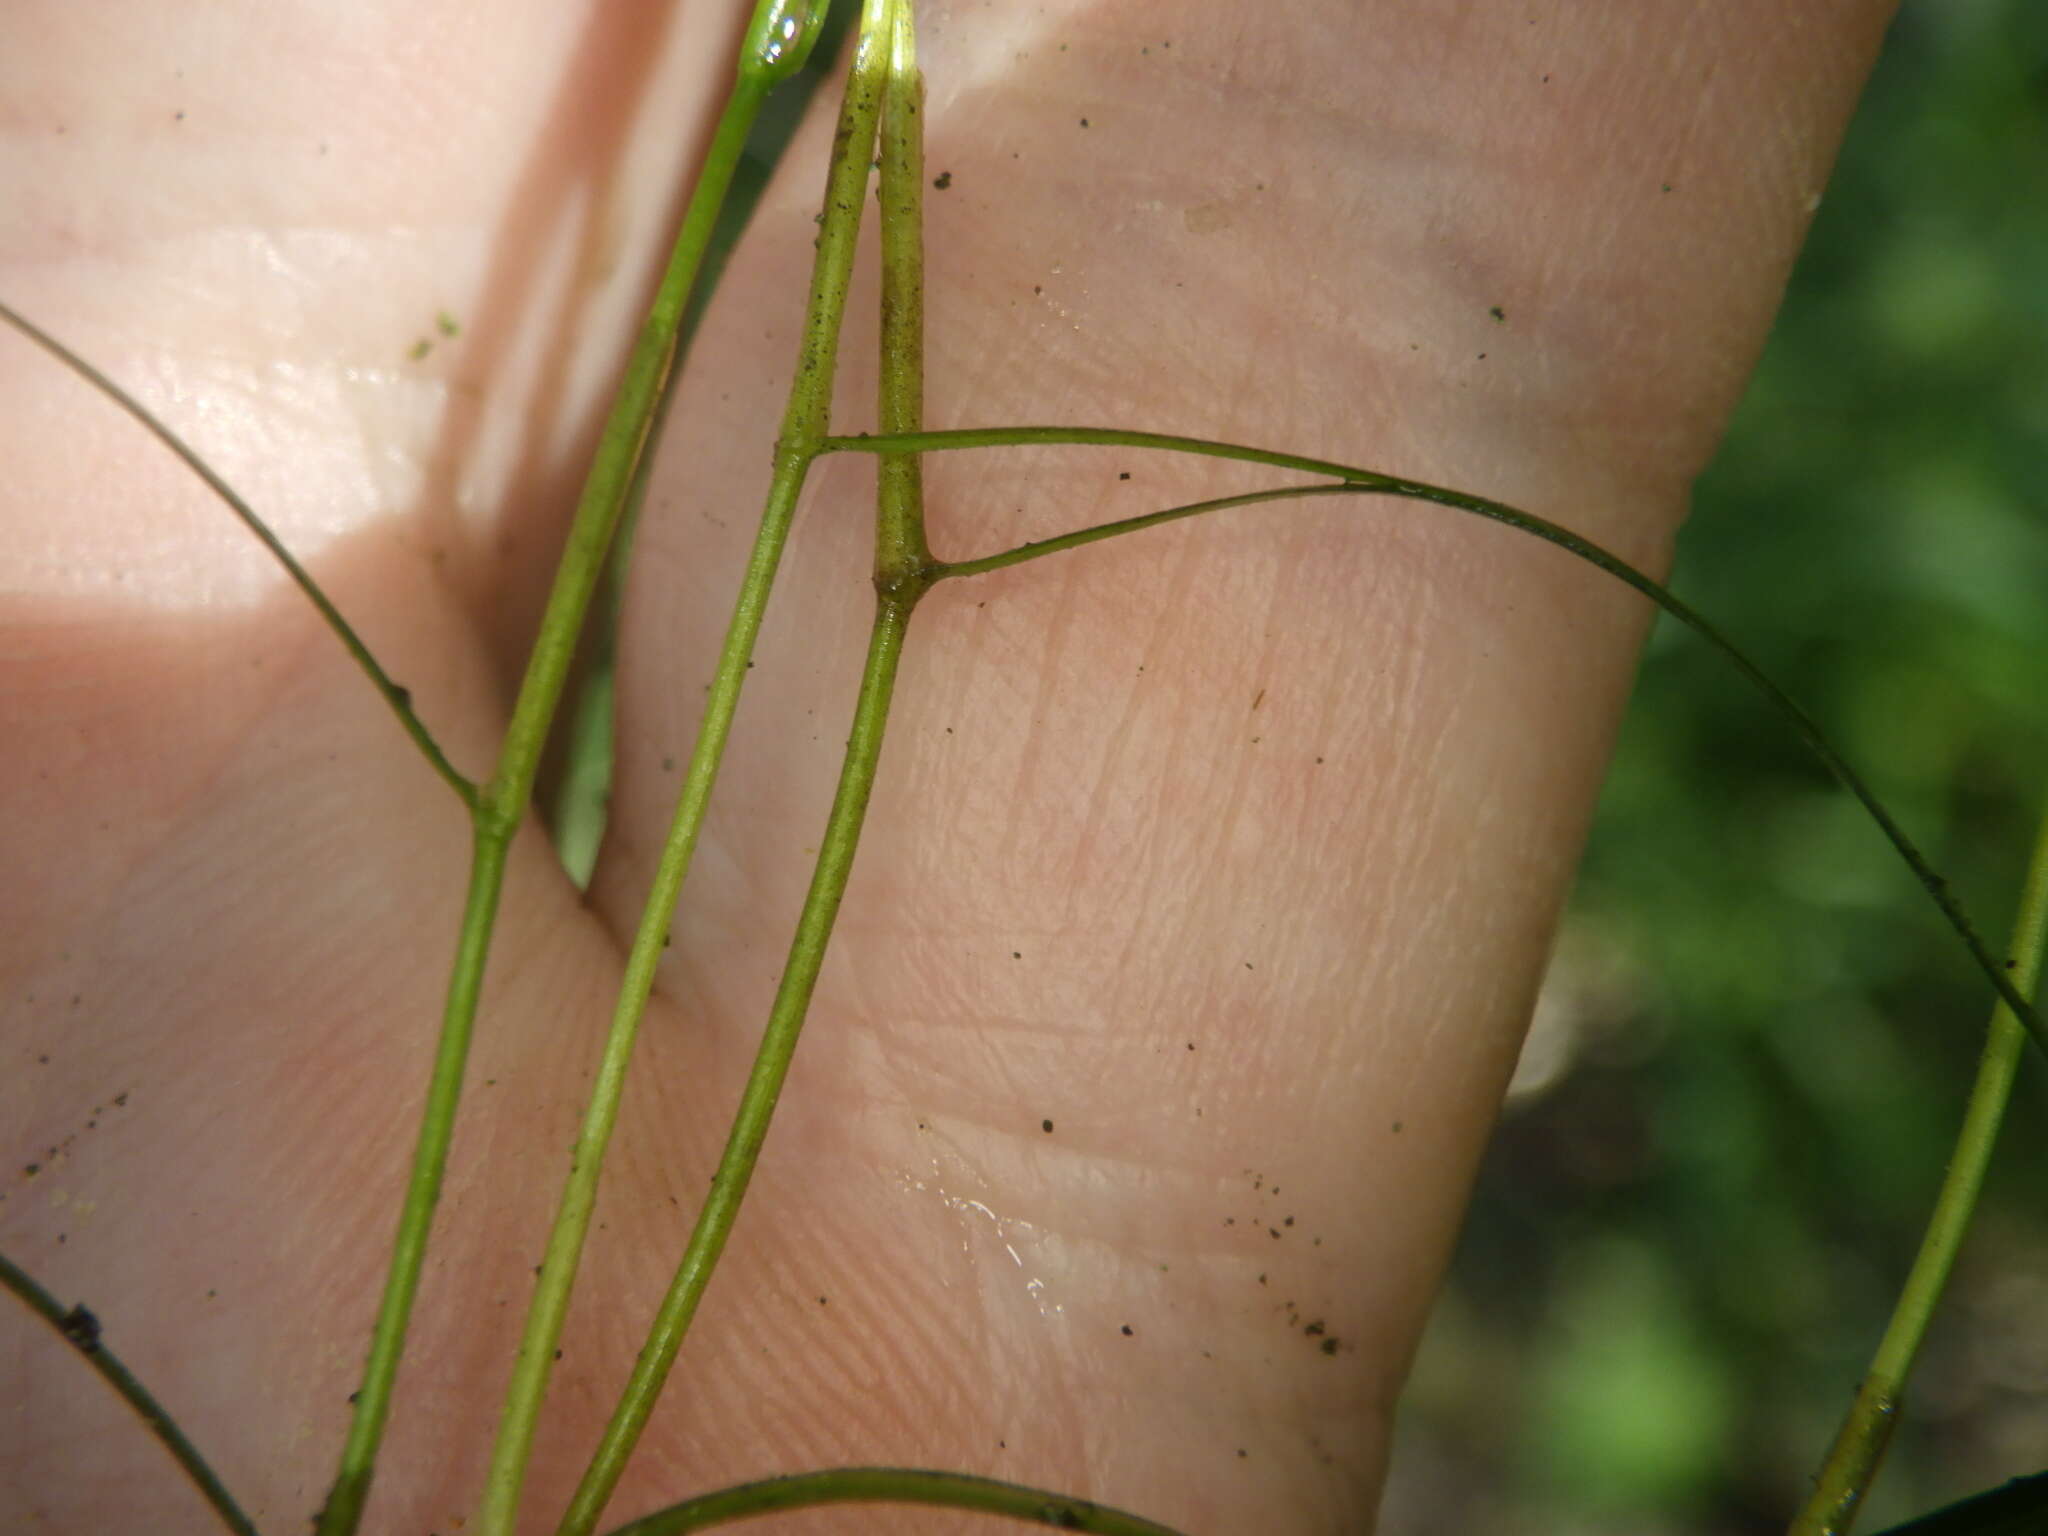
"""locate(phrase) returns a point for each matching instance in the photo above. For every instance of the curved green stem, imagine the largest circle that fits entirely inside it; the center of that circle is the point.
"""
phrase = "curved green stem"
(1371, 482)
(943, 569)
(81, 1330)
(764, 1082)
(1859, 1447)
(891, 1485)
(395, 695)
(501, 803)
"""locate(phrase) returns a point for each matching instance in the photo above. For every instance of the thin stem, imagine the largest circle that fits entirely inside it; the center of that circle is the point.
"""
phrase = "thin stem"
(394, 694)
(1371, 482)
(804, 425)
(764, 1082)
(891, 1485)
(885, 83)
(1859, 1446)
(351, 1487)
(81, 1330)
(901, 554)
(944, 569)
(501, 803)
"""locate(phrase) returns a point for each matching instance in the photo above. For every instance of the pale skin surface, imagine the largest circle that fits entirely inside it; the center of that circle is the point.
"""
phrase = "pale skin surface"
(1232, 851)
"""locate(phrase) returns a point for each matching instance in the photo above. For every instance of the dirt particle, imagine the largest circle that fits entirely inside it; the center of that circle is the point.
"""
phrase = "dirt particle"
(81, 1328)
(942, 181)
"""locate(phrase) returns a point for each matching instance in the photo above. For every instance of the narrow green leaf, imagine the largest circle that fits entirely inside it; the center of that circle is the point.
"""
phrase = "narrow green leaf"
(892, 1485)
(2018, 1508)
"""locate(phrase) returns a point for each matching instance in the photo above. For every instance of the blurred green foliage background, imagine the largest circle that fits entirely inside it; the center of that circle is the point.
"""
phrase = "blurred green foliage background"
(1739, 1099)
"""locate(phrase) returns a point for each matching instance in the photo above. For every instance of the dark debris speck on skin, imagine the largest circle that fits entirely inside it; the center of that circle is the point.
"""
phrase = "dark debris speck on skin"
(81, 1328)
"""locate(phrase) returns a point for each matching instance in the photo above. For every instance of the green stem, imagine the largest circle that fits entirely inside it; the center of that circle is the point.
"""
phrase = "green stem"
(82, 1331)
(944, 569)
(764, 1082)
(351, 1488)
(1371, 482)
(804, 425)
(501, 803)
(888, 87)
(394, 695)
(901, 554)
(1859, 1447)
(892, 1485)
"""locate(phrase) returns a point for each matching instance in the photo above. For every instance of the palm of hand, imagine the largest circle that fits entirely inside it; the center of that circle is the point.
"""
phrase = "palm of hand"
(1209, 879)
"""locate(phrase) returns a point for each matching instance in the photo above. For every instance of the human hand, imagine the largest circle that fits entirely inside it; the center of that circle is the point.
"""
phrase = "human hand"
(1231, 850)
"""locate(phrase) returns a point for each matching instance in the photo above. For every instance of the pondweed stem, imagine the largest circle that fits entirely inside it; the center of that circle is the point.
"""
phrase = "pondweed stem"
(1859, 1447)
(891, 1485)
(1371, 482)
(902, 557)
(764, 1083)
(343, 1509)
(883, 85)
(82, 1331)
(501, 803)
(393, 694)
